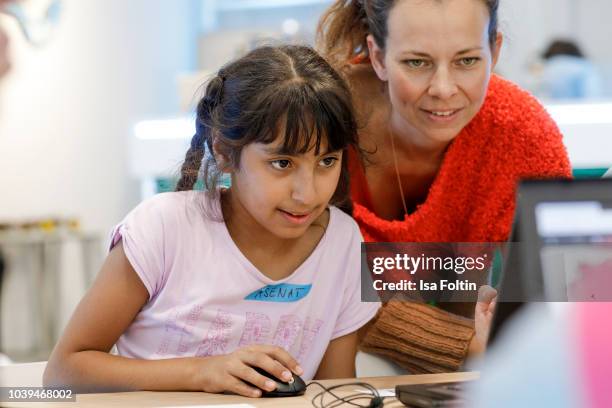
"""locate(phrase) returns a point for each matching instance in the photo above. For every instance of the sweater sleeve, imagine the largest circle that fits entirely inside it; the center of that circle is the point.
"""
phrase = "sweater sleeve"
(420, 338)
(538, 150)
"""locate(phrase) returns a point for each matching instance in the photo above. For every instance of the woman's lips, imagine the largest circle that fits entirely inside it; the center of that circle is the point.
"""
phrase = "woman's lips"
(441, 116)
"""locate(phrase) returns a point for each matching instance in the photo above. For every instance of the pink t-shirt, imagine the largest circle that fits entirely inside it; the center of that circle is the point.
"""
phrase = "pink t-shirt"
(206, 298)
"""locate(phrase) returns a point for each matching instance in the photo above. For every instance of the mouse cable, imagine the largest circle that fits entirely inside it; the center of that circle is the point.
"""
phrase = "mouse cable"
(374, 400)
(373, 392)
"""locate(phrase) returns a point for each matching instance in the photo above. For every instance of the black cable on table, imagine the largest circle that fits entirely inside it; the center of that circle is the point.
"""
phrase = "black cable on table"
(373, 397)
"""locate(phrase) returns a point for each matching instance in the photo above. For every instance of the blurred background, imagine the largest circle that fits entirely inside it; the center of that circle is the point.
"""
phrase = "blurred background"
(97, 115)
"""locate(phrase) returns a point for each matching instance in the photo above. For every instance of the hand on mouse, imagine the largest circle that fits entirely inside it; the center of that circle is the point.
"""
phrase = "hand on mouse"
(231, 372)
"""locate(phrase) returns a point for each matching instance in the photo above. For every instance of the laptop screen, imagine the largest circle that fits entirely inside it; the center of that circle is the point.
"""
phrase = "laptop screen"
(560, 248)
(565, 235)
(576, 252)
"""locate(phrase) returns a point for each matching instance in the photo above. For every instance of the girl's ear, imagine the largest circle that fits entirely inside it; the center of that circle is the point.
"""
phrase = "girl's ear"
(223, 163)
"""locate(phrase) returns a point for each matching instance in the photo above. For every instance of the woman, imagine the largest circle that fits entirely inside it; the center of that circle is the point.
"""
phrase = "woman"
(448, 142)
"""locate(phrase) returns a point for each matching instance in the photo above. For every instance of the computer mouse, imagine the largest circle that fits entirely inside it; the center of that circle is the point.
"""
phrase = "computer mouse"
(296, 386)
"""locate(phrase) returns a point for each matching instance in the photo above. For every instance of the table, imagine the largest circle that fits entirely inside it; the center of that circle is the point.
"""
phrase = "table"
(31, 375)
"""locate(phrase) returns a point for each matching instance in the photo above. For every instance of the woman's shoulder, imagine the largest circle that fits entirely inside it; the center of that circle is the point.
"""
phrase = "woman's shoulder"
(507, 103)
(522, 127)
(509, 110)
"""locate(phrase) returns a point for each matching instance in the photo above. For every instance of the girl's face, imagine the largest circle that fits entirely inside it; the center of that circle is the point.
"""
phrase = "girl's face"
(284, 193)
(437, 63)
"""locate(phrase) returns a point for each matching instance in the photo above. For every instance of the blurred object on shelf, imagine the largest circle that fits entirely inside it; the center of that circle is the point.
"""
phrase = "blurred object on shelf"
(37, 19)
(190, 88)
(218, 47)
(50, 263)
(565, 73)
(230, 29)
(45, 224)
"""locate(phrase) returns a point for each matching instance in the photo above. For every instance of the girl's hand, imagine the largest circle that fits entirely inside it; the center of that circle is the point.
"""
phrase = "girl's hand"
(483, 315)
(231, 372)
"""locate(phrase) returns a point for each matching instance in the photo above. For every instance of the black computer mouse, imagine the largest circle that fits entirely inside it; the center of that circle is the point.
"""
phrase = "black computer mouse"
(296, 386)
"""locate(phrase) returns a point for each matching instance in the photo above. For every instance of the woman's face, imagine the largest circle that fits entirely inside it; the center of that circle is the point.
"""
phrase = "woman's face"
(437, 62)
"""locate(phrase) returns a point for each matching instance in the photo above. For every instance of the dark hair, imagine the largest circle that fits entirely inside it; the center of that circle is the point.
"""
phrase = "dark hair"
(562, 47)
(343, 28)
(253, 98)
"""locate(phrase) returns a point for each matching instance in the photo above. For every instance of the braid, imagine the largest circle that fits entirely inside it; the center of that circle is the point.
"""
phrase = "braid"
(191, 165)
(204, 124)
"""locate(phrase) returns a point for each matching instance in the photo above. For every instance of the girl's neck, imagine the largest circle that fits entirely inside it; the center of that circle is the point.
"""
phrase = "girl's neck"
(245, 230)
(275, 257)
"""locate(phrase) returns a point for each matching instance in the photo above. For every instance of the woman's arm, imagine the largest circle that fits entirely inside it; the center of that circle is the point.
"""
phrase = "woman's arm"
(81, 358)
(432, 340)
(339, 358)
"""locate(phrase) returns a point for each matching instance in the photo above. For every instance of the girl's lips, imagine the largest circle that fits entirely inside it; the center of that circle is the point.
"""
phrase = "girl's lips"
(296, 218)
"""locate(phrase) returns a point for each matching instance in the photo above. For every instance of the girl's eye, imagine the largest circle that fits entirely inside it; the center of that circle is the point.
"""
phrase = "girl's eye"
(416, 63)
(469, 61)
(328, 161)
(280, 164)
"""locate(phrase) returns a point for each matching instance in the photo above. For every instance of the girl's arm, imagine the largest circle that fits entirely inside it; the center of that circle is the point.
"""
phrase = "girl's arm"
(339, 358)
(81, 359)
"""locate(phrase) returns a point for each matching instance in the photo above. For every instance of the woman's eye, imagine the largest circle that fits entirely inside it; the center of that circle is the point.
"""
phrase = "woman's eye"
(416, 63)
(468, 62)
(280, 164)
(328, 161)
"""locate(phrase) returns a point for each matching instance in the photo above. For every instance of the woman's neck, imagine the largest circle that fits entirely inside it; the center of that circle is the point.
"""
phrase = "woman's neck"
(412, 144)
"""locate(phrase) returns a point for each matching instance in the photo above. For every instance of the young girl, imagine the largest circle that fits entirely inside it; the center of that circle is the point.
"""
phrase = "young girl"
(200, 288)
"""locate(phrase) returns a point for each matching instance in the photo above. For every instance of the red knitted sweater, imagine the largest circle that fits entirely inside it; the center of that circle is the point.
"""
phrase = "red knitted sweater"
(472, 198)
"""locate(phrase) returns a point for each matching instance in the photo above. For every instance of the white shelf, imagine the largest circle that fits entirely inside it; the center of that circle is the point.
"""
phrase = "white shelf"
(158, 147)
(237, 5)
